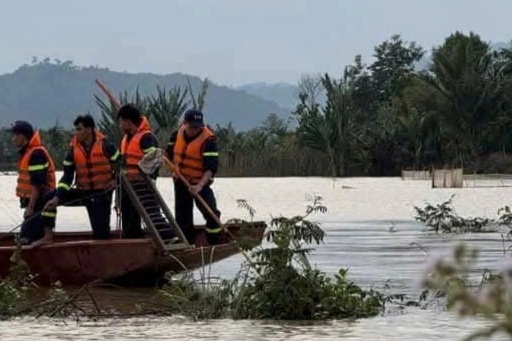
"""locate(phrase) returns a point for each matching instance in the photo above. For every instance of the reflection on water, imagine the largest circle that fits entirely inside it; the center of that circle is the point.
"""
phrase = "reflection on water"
(369, 229)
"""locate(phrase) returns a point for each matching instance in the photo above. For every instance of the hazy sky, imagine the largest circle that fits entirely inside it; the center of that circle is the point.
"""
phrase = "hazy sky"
(233, 41)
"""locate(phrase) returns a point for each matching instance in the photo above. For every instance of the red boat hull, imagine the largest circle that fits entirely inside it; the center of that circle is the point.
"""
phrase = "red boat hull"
(75, 259)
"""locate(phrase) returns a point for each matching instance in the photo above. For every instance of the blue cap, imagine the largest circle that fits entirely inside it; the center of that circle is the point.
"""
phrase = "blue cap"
(194, 118)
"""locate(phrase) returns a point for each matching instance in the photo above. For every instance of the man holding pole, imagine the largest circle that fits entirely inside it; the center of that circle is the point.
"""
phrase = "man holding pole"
(193, 149)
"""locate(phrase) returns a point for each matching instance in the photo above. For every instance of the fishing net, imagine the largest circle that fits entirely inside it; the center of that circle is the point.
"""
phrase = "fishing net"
(152, 161)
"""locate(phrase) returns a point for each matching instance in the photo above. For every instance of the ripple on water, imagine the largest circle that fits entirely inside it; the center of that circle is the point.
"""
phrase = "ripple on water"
(415, 324)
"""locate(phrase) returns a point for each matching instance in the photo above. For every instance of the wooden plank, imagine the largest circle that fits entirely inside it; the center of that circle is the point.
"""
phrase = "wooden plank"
(142, 212)
(167, 213)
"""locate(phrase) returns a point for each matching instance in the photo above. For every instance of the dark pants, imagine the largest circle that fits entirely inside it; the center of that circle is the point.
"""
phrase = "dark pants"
(33, 227)
(131, 220)
(184, 210)
(99, 208)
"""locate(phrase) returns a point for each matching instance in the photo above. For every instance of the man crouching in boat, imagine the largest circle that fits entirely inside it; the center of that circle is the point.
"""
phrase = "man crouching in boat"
(193, 148)
(91, 160)
(36, 177)
(138, 140)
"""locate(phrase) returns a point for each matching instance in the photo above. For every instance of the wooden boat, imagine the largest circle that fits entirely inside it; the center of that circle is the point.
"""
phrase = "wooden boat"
(75, 259)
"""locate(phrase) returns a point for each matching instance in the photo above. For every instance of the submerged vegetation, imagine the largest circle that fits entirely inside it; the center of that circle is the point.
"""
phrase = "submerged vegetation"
(442, 218)
(19, 293)
(458, 280)
(278, 283)
(490, 299)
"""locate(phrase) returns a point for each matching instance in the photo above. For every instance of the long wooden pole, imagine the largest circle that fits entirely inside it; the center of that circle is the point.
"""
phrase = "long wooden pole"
(117, 106)
(109, 94)
(175, 170)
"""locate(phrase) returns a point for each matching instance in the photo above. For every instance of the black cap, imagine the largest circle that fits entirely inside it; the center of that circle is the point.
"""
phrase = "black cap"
(194, 118)
(23, 128)
(130, 112)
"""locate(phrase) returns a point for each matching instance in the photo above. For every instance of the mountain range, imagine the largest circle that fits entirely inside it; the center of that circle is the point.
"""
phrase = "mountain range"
(47, 93)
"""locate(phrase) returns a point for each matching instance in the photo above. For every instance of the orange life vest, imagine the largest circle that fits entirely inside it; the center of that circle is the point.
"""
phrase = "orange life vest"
(188, 157)
(24, 188)
(93, 170)
(131, 151)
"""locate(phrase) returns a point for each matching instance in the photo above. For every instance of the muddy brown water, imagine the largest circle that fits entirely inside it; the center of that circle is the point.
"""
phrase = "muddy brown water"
(369, 229)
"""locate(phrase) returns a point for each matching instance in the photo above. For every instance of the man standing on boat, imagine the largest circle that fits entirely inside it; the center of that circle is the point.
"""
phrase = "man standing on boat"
(138, 140)
(91, 161)
(36, 177)
(193, 148)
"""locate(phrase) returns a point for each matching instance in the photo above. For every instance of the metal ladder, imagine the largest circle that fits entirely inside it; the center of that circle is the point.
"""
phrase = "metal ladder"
(154, 212)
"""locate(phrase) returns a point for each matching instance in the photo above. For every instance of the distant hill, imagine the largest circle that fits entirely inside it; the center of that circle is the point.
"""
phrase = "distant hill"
(283, 94)
(48, 92)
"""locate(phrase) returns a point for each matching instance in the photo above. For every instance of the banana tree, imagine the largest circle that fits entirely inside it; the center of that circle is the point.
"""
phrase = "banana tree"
(229, 144)
(336, 130)
(199, 101)
(166, 108)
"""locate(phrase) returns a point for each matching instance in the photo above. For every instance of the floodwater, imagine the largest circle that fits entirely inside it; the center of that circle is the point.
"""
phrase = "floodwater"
(369, 228)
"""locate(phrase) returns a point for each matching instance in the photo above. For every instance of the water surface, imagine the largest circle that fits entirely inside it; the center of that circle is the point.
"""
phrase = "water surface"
(369, 229)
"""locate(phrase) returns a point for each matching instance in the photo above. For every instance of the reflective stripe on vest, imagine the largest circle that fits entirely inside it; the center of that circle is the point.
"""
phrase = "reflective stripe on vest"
(188, 157)
(215, 230)
(24, 188)
(93, 170)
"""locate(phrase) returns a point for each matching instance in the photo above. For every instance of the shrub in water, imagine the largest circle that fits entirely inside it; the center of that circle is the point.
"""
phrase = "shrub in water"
(279, 282)
(443, 218)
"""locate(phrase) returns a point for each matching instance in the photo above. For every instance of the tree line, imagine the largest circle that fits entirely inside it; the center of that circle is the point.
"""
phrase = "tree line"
(375, 120)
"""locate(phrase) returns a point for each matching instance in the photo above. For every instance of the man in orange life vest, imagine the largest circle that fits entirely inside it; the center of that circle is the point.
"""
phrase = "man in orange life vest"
(91, 160)
(193, 148)
(138, 140)
(36, 176)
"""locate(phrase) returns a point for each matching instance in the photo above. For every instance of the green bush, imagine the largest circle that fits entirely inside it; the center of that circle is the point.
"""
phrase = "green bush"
(279, 282)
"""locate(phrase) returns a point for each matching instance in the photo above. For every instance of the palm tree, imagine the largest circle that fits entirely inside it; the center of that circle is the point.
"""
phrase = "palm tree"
(469, 94)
